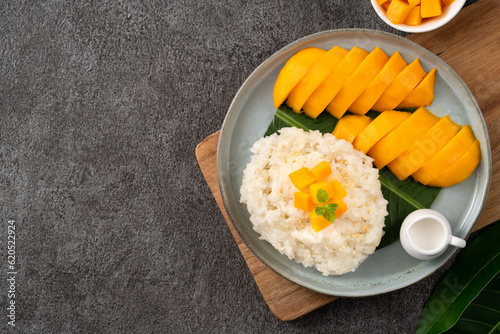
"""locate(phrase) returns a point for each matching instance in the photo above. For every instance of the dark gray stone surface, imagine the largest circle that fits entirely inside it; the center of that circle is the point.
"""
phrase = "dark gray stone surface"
(101, 107)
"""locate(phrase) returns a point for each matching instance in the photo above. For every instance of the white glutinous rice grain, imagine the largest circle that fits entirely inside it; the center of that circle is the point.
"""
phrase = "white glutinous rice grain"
(268, 192)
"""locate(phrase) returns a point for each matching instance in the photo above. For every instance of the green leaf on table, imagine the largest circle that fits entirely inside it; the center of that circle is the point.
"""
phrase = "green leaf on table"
(483, 313)
(468, 296)
(404, 196)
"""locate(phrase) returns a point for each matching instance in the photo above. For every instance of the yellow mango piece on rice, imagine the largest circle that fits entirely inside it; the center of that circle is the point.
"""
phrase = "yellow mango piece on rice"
(339, 190)
(302, 178)
(303, 201)
(315, 187)
(321, 170)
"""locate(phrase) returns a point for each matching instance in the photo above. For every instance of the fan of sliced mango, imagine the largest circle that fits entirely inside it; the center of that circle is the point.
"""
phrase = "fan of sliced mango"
(434, 151)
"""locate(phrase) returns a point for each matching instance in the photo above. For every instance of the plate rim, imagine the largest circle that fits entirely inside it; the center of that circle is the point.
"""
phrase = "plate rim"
(277, 54)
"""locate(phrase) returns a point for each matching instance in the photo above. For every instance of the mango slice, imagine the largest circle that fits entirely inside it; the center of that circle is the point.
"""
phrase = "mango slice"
(423, 94)
(303, 201)
(339, 190)
(378, 128)
(348, 127)
(321, 170)
(342, 207)
(374, 90)
(400, 87)
(443, 159)
(401, 138)
(318, 72)
(414, 17)
(398, 11)
(431, 8)
(461, 169)
(318, 222)
(295, 68)
(315, 187)
(424, 148)
(357, 82)
(327, 90)
(302, 178)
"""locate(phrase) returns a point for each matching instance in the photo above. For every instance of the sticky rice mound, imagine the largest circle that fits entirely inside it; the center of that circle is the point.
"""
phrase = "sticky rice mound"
(268, 192)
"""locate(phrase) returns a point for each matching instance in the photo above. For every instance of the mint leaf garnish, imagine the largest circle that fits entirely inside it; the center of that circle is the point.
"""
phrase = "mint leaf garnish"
(322, 196)
(329, 216)
(320, 210)
(332, 207)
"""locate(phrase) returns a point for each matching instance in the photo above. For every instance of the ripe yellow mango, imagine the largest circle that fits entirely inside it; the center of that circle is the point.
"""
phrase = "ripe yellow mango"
(339, 190)
(349, 126)
(321, 170)
(378, 128)
(374, 90)
(443, 159)
(461, 169)
(414, 17)
(303, 201)
(318, 72)
(302, 178)
(398, 11)
(318, 222)
(357, 82)
(342, 207)
(327, 90)
(402, 137)
(424, 148)
(423, 94)
(430, 8)
(294, 70)
(400, 87)
(315, 187)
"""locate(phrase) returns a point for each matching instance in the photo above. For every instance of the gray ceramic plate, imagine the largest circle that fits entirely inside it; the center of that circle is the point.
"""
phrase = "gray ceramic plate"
(387, 269)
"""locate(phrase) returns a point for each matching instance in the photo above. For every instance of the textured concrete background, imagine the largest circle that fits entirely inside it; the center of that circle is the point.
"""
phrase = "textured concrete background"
(101, 107)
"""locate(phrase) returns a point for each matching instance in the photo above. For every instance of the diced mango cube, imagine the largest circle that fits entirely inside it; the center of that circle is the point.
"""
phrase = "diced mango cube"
(430, 8)
(342, 207)
(322, 170)
(303, 201)
(325, 185)
(338, 189)
(380, 2)
(414, 18)
(413, 3)
(302, 178)
(398, 11)
(318, 222)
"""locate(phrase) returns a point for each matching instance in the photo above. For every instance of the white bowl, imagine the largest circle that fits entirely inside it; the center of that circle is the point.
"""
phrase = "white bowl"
(449, 12)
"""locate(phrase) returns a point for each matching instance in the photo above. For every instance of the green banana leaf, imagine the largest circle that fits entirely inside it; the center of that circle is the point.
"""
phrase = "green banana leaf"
(467, 299)
(483, 313)
(404, 196)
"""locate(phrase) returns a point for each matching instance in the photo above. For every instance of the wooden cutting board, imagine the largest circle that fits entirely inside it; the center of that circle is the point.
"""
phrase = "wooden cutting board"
(470, 44)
